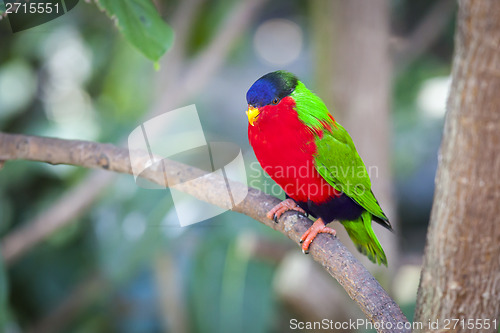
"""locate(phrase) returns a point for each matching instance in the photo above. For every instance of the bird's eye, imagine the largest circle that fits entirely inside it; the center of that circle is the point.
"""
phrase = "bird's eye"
(276, 101)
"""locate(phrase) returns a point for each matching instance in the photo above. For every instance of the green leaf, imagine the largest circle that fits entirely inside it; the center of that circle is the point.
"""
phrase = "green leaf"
(141, 25)
(2, 8)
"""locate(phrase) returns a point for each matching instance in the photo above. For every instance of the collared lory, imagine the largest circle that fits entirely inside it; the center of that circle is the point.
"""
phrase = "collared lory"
(312, 157)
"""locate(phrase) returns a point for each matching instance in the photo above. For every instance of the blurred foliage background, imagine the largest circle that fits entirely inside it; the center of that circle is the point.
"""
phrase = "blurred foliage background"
(121, 263)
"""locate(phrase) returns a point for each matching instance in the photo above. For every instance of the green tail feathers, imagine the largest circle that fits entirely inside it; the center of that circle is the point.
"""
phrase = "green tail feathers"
(361, 233)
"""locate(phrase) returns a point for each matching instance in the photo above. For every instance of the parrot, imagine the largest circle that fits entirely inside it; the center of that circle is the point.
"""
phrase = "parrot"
(301, 146)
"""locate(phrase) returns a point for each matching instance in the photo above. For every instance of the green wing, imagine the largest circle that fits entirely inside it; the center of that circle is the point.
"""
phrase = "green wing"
(338, 162)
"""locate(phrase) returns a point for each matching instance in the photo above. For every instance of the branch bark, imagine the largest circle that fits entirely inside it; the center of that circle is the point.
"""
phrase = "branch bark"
(361, 286)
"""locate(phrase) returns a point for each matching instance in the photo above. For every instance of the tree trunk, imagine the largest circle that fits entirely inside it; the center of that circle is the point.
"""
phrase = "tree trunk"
(353, 70)
(461, 273)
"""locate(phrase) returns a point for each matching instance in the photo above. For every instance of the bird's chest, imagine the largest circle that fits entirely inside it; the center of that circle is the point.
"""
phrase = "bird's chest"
(281, 148)
(286, 153)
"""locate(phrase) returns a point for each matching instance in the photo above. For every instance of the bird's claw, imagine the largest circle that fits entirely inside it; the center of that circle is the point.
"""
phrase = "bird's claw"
(311, 233)
(278, 210)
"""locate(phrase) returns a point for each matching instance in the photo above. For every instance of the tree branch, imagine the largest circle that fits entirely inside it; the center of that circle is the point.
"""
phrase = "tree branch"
(61, 212)
(361, 286)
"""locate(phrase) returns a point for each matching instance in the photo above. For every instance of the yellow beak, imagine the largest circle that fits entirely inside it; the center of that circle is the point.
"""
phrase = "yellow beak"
(253, 114)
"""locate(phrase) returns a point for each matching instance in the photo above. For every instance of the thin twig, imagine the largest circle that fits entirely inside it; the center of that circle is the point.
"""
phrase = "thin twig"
(426, 33)
(173, 63)
(215, 54)
(361, 286)
(68, 207)
(79, 297)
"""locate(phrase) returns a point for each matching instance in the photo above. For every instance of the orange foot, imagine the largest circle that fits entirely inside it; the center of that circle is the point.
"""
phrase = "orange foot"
(279, 209)
(311, 233)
